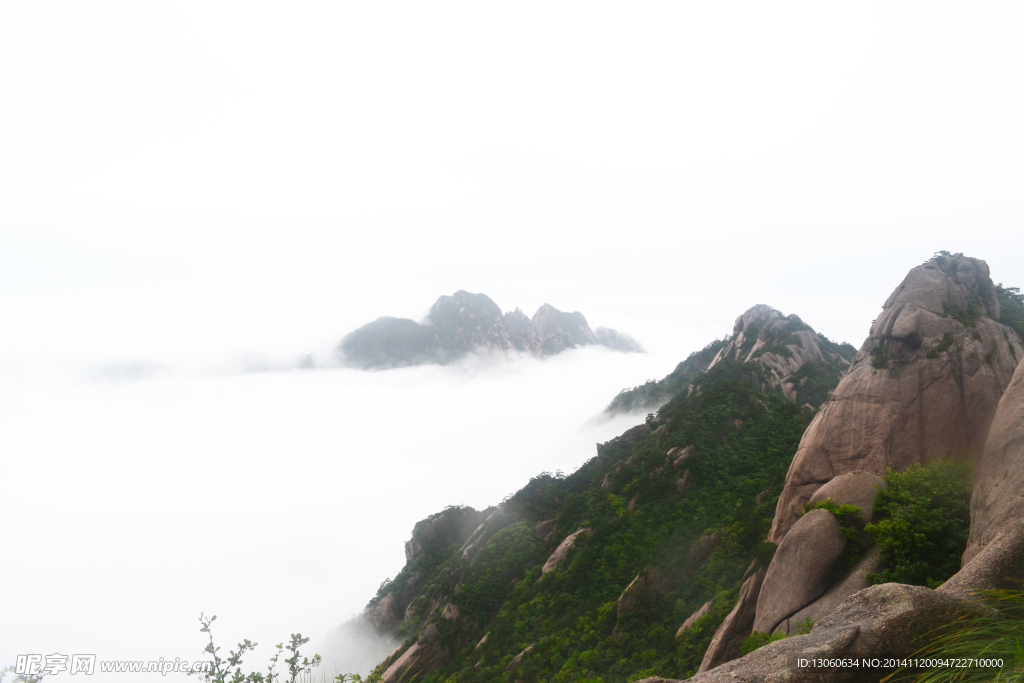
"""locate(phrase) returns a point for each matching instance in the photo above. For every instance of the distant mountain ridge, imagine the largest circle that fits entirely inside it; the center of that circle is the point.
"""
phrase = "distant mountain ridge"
(662, 555)
(463, 322)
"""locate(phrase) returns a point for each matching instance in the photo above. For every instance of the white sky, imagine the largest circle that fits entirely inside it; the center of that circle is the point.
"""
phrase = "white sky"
(197, 185)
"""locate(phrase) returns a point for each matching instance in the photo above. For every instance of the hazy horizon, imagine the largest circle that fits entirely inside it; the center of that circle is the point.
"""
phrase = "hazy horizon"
(194, 196)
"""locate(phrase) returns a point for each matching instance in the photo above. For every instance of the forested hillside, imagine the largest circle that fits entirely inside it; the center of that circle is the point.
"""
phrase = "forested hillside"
(674, 508)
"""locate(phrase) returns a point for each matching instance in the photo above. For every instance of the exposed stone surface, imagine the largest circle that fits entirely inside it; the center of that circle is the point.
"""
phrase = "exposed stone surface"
(897, 406)
(560, 552)
(725, 644)
(998, 499)
(497, 520)
(855, 580)
(451, 526)
(633, 434)
(782, 345)
(996, 566)
(653, 581)
(464, 322)
(642, 586)
(806, 563)
(692, 619)
(518, 659)
(545, 529)
(701, 550)
(618, 341)
(880, 620)
(426, 654)
(857, 488)
(679, 455)
(686, 482)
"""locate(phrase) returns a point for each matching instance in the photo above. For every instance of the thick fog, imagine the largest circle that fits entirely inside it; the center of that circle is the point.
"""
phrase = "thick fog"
(139, 495)
(195, 198)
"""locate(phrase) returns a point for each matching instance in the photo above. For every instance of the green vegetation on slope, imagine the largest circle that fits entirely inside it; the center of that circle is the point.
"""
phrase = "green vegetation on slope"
(922, 522)
(651, 395)
(1011, 308)
(641, 519)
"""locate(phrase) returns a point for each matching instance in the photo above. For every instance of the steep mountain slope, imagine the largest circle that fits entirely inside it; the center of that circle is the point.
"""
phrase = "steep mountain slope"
(924, 386)
(805, 364)
(463, 322)
(654, 558)
(597, 571)
(593, 568)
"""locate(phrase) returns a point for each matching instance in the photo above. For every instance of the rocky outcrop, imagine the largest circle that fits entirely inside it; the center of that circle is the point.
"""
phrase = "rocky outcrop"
(617, 341)
(452, 526)
(791, 353)
(807, 562)
(497, 520)
(803, 578)
(692, 619)
(885, 620)
(426, 654)
(430, 537)
(655, 393)
(725, 644)
(998, 499)
(518, 659)
(881, 620)
(650, 583)
(855, 580)
(464, 322)
(924, 385)
(857, 488)
(561, 551)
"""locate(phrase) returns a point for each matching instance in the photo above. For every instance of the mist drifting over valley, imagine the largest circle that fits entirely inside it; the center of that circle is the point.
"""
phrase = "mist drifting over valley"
(198, 202)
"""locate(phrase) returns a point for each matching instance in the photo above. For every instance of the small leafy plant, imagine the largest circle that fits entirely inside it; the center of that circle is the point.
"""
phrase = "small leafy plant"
(229, 669)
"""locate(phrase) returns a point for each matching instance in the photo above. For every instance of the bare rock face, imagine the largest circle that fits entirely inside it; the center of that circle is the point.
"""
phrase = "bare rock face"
(881, 620)
(783, 345)
(560, 552)
(885, 620)
(806, 563)
(858, 488)
(518, 659)
(649, 584)
(686, 482)
(855, 580)
(426, 654)
(619, 341)
(643, 586)
(725, 644)
(679, 455)
(692, 619)
(465, 322)
(494, 522)
(998, 499)
(452, 525)
(924, 385)
(999, 565)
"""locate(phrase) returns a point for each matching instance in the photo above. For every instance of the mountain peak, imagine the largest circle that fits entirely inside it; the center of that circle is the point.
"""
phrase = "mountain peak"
(463, 322)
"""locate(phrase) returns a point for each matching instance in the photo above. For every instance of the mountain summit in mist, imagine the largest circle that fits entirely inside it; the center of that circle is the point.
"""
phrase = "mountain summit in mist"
(787, 489)
(464, 322)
